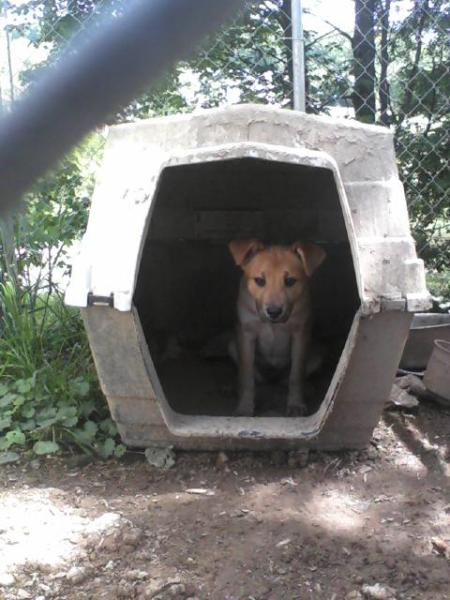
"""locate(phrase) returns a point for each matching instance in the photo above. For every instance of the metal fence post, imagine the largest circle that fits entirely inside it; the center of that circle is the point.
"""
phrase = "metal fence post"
(298, 55)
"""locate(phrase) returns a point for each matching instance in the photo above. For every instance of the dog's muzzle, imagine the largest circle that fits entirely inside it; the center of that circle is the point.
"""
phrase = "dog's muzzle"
(275, 313)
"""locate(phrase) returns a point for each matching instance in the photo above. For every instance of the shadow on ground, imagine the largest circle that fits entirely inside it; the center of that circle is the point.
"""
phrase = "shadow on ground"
(244, 526)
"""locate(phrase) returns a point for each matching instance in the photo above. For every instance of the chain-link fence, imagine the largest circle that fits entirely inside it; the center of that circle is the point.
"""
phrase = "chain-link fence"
(379, 61)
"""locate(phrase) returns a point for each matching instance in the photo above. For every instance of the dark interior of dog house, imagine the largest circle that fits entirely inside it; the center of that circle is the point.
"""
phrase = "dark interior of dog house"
(187, 282)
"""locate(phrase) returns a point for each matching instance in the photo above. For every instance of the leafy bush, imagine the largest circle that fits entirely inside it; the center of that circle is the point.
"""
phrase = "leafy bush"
(49, 394)
(438, 283)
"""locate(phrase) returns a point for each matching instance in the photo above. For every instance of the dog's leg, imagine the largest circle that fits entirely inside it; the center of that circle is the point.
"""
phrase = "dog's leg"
(296, 402)
(246, 351)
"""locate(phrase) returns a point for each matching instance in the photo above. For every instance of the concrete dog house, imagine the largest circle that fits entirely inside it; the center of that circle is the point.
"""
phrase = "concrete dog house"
(156, 283)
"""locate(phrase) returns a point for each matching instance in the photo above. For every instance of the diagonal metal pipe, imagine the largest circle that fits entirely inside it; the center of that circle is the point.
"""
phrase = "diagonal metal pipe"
(93, 79)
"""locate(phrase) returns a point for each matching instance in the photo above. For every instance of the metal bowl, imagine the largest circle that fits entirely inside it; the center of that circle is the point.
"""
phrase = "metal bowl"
(437, 375)
(425, 328)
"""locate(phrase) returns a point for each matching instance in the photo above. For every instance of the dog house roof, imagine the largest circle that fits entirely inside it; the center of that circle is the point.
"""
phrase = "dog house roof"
(361, 157)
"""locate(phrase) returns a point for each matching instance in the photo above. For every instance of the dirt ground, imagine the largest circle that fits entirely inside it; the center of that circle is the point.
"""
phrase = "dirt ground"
(351, 525)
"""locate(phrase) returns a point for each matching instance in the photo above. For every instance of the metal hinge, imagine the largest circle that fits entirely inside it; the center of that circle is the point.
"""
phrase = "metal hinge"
(100, 300)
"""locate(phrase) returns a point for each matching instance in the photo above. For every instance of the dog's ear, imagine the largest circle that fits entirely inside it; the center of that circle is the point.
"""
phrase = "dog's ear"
(243, 250)
(311, 255)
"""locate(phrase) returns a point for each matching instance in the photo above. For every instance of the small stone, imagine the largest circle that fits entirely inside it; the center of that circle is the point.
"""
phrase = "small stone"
(124, 590)
(177, 590)
(283, 543)
(354, 595)
(136, 575)
(221, 459)
(161, 458)
(6, 579)
(378, 592)
(133, 537)
(402, 398)
(109, 543)
(412, 383)
(372, 453)
(23, 595)
(441, 546)
(105, 524)
(200, 492)
(76, 575)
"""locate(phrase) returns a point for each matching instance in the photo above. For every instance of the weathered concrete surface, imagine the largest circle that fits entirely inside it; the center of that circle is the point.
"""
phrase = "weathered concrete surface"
(361, 156)
(373, 222)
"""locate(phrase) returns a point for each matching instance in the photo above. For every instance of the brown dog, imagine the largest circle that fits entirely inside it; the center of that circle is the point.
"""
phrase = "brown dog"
(274, 316)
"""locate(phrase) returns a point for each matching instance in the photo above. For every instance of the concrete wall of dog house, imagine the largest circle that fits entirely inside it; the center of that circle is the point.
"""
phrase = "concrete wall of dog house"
(363, 152)
(136, 154)
(121, 199)
(378, 209)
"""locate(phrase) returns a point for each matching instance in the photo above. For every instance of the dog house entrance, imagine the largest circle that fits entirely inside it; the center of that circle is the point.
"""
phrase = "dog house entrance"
(187, 282)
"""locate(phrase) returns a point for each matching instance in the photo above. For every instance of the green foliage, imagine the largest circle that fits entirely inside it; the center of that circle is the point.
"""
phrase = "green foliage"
(438, 282)
(49, 395)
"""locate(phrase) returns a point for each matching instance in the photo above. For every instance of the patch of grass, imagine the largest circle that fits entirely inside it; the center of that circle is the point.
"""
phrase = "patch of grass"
(49, 393)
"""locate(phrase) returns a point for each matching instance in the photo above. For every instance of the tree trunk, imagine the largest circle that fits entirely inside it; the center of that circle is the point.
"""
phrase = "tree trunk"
(363, 45)
(421, 9)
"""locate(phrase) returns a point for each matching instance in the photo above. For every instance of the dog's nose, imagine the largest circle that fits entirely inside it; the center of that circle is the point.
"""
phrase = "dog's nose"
(273, 311)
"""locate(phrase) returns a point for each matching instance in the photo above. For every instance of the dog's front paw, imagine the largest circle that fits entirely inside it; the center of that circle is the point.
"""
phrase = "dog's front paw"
(296, 406)
(245, 408)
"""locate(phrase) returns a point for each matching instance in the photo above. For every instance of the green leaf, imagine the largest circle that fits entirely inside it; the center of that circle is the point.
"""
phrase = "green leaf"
(47, 413)
(120, 450)
(108, 448)
(44, 423)
(14, 437)
(80, 387)
(70, 422)
(91, 428)
(23, 386)
(5, 423)
(19, 401)
(109, 427)
(28, 412)
(7, 399)
(4, 389)
(67, 411)
(8, 457)
(87, 407)
(45, 447)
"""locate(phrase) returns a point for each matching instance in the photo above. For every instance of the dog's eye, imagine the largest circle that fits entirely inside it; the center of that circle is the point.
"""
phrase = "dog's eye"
(289, 281)
(260, 281)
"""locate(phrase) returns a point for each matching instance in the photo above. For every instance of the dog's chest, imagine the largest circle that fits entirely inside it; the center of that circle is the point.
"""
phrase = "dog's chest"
(274, 344)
